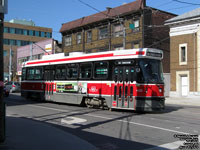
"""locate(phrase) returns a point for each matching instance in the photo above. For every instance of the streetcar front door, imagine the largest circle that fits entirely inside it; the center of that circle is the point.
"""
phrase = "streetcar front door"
(49, 84)
(124, 77)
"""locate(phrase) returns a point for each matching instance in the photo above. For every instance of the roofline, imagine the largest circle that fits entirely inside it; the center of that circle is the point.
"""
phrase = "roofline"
(182, 20)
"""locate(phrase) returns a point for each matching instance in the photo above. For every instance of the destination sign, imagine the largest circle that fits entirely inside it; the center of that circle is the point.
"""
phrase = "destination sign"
(154, 54)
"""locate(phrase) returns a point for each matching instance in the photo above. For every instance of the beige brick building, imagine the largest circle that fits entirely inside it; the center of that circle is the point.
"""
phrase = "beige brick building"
(133, 25)
(185, 54)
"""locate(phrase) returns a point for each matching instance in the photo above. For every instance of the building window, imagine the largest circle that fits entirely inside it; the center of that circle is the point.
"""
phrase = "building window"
(78, 38)
(103, 33)
(5, 52)
(183, 54)
(118, 47)
(6, 41)
(89, 36)
(18, 43)
(25, 32)
(118, 30)
(135, 45)
(136, 25)
(12, 30)
(42, 34)
(18, 31)
(31, 32)
(12, 42)
(68, 40)
(37, 33)
(48, 35)
(6, 30)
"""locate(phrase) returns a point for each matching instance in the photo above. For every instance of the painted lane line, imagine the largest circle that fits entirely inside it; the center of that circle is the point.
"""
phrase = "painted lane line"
(139, 124)
(72, 120)
(108, 118)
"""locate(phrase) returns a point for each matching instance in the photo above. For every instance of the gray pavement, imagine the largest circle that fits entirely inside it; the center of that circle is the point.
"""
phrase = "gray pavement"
(26, 134)
(183, 101)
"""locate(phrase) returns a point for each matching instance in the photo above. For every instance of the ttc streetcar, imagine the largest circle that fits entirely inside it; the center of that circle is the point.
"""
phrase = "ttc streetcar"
(124, 79)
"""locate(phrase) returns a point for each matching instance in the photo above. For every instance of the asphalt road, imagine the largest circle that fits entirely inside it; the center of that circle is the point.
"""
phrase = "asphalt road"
(113, 130)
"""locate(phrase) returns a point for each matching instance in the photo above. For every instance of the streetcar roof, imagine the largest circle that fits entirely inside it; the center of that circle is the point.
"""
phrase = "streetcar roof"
(99, 56)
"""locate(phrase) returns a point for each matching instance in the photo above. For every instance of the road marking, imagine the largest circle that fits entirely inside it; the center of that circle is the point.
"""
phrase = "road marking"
(140, 124)
(72, 120)
(107, 118)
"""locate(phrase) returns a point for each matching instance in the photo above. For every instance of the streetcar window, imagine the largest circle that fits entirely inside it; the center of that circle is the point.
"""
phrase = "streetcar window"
(30, 73)
(23, 74)
(85, 71)
(60, 72)
(151, 71)
(101, 70)
(72, 71)
(38, 73)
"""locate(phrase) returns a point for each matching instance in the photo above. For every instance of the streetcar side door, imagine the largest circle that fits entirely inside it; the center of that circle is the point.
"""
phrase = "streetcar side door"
(49, 84)
(123, 86)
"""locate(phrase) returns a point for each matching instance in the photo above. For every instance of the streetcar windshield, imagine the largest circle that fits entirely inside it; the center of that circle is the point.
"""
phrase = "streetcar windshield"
(151, 71)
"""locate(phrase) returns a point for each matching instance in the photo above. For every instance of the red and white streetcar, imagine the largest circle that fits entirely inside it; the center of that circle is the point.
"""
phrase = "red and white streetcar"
(125, 79)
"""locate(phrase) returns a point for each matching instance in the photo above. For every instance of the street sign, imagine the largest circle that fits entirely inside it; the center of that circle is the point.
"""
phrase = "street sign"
(131, 26)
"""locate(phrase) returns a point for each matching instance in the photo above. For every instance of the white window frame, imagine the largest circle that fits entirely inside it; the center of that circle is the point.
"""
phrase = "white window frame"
(180, 54)
(78, 38)
(103, 35)
(89, 36)
(136, 23)
(68, 40)
(118, 30)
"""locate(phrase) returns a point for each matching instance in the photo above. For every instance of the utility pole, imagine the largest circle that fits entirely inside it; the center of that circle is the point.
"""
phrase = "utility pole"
(31, 52)
(10, 64)
(3, 9)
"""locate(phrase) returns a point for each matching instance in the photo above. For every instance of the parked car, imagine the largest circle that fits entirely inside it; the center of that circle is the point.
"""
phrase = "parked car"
(6, 92)
(13, 86)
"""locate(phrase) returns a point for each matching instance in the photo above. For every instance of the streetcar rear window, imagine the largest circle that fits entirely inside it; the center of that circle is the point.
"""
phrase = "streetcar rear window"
(30, 73)
(101, 70)
(60, 72)
(23, 74)
(85, 71)
(72, 71)
(38, 73)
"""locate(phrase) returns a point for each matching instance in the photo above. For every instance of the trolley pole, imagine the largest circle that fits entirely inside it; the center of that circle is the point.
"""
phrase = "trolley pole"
(2, 104)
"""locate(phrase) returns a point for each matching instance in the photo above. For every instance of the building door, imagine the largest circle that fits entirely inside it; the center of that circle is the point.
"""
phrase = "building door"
(184, 86)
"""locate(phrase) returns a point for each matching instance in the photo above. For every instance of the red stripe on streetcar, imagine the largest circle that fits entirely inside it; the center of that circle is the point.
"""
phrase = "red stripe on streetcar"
(70, 59)
(82, 57)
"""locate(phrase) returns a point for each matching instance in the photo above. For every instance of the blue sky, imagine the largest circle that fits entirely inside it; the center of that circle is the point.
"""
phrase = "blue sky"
(51, 13)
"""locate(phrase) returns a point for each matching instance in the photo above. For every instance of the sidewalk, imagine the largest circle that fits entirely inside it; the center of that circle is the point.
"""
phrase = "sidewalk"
(26, 134)
(183, 101)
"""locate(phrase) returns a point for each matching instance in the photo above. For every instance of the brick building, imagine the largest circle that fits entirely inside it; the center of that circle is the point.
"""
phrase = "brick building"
(131, 25)
(185, 54)
(19, 33)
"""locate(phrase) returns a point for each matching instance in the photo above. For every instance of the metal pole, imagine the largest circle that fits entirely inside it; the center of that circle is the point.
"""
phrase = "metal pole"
(2, 104)
(31, 51)
(124, 37)
(10, 63)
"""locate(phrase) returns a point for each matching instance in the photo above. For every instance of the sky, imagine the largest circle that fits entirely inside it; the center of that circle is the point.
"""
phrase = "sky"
(53, 13)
